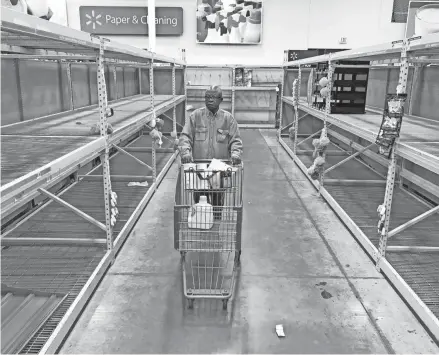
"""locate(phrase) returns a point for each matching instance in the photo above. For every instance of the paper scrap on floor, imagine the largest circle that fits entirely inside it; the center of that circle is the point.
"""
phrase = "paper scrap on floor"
(280, 330)
(142, 184)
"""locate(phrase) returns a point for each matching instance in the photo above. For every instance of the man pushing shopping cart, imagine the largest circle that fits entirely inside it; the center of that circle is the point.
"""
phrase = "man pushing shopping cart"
(211, 133)
(208, 202)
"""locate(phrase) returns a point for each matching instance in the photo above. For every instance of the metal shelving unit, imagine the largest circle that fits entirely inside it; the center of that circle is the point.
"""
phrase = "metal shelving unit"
(123, 125)
(404, 53)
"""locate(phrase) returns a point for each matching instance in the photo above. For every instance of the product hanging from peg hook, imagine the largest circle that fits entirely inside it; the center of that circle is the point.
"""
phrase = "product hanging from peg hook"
(382, 218)
(316, 169)
(156, 136)
(320, 146)
(292, 132)
(295, 92)
(323, 82)
(159, 124)
(153, 121)
(176, 140)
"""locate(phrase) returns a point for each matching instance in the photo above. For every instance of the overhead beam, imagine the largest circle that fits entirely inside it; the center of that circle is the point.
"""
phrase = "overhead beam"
(73, 209)
(414, 221)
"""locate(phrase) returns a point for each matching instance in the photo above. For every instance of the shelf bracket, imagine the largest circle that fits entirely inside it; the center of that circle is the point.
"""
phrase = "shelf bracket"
(73, 209)
(292, 123)
(314, 134)
(413, 221)
(170, 119)
(132, 156)
(349, 158)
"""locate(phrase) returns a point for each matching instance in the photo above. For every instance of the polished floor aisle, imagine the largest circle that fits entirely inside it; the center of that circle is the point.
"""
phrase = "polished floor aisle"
(300, 268)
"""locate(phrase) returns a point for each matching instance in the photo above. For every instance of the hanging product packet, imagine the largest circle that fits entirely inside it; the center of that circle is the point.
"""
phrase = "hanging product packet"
(247, 77)
(391, 125)
(220, 171)
(384, 141)
(395, 104)
(239, 80)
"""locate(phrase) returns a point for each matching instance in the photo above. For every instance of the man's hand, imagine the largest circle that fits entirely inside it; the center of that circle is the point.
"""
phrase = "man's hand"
(186, 159)
(236, 160)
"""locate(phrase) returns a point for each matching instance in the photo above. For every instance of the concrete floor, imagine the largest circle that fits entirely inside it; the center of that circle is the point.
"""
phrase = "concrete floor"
(300, 268)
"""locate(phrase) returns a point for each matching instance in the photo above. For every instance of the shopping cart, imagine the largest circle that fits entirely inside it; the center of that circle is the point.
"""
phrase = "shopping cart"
(210, 241)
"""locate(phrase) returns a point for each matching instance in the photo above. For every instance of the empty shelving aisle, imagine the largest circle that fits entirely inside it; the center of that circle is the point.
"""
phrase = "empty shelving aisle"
(300, 268)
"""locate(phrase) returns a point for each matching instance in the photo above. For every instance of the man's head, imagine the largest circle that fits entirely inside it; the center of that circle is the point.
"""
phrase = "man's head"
(213, 98)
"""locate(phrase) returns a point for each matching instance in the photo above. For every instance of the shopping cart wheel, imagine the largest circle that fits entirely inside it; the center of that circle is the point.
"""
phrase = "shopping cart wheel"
(225, 304)
(191, 303)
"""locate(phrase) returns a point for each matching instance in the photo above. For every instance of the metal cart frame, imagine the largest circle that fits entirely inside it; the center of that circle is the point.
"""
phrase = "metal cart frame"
(218, 242)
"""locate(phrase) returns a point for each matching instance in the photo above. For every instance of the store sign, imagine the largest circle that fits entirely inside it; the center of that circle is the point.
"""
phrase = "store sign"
(118, 20)
(303, 54)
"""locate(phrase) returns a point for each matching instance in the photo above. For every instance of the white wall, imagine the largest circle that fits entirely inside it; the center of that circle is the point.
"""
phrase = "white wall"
(59, 10)
(362, 22)
(287, 24)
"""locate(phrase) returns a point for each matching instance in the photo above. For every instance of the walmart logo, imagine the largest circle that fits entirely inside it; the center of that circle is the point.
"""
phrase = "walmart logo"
(93, 19)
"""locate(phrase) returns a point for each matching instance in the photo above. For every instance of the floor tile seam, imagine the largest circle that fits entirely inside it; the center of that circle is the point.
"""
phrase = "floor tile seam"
(383, 338)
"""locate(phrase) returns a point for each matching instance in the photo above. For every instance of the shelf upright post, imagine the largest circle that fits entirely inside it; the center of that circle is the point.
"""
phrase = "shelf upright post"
(70, 83)
(139, 73)
(416, 73)
(327, 113)
(233, 91)
(103, 123)
(391, 173)
(183, 57)
(174, 113)
(115, 82)
(152, 108)
(296, 108)
(284, 70)
(19, 88)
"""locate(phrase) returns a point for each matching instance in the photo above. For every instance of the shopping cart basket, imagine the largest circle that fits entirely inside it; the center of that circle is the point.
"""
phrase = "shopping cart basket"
(210, 242)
